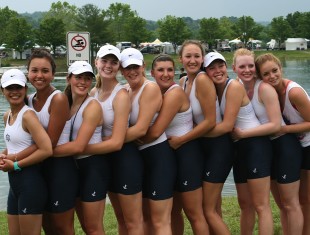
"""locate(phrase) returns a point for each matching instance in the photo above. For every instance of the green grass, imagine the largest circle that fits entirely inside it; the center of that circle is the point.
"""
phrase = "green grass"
(230, 209)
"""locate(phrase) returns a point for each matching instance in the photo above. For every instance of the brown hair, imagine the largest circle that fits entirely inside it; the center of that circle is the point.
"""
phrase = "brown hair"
(194, 42)
(42, 53)
(162, 57)
(260, 60)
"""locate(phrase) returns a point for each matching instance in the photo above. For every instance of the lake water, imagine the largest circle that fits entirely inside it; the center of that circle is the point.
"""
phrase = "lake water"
(298, 71)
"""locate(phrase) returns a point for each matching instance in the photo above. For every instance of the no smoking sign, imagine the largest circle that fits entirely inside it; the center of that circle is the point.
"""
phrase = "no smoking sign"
(78, 47)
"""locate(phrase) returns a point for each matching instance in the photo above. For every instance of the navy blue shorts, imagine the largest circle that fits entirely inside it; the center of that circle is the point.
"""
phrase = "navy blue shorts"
(94, 177)
(253, 158)
(306, 158)
(61, 176)
(287, 158)
(219, 157)
(159, 171)
(127, 170)
(189, 158)
(28, 191)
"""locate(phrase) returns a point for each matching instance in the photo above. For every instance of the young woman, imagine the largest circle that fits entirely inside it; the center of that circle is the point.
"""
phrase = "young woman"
(286, 149)
(295, 108)
(22, 127)
(158, 158)
(202, 95)
(254, 154)
(86, 126)
(175, 119)
(52, 109)
(125, 192)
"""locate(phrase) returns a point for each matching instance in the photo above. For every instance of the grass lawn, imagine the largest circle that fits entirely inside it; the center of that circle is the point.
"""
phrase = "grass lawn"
(230, 213)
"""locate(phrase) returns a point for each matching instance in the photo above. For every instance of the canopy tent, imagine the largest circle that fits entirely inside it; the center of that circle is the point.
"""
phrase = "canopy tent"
(156, 42)
(235, 41)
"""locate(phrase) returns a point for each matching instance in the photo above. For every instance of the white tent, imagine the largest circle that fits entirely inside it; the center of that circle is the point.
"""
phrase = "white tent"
(292, 44)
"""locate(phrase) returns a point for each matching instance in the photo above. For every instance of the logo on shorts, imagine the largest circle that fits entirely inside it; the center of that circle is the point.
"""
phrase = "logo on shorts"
(56, 203)
(255, 170)
(284, 177)
(185, 183)
(208, 173)
(154, 193)
(25, 211)
(94, 194)
(125, 186)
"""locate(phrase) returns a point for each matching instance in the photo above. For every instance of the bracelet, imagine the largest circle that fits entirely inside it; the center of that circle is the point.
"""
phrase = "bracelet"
(16, 166)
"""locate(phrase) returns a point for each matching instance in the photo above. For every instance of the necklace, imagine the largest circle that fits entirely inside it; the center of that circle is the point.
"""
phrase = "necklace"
(13, 116)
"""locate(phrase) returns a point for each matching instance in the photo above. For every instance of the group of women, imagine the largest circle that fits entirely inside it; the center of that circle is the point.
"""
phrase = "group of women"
(155, 147)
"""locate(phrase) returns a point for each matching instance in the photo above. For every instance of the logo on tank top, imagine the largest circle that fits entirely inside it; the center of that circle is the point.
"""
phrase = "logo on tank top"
(8, 138)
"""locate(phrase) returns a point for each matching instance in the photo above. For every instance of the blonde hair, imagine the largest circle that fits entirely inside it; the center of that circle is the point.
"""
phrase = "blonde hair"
(260, 60)
(242, 52)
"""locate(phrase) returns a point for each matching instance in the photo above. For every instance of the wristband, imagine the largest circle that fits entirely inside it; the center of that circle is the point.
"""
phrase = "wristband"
(16, 166)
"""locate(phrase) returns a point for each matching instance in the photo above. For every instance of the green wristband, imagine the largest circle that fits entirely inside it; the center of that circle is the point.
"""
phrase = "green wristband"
(16, 166)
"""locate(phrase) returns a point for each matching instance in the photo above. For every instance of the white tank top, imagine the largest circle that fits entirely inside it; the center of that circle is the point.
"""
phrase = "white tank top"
(76, 122)
(260, 109)
(293, 116)
(182, 122)
(44, 117)
(16, 139)
(107, 107)
(43, 114)
(198, 116)
(135, 113)
(246, 118)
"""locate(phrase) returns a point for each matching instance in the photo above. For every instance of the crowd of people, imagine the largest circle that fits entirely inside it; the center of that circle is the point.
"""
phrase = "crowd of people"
(158, 148)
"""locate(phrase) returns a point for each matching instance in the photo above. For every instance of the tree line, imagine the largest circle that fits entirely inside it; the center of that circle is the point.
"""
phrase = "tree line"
(120, 23)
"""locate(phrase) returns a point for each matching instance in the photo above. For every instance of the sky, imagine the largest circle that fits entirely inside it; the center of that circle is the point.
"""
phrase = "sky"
(259, 10)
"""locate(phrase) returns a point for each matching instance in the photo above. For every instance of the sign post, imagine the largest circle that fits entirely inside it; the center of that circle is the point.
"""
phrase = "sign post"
(78, 47)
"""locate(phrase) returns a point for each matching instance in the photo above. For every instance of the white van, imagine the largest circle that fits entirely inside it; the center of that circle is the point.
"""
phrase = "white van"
(123, 45)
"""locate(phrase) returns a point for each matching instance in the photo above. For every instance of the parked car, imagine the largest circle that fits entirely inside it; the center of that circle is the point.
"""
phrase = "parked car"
(149, 50)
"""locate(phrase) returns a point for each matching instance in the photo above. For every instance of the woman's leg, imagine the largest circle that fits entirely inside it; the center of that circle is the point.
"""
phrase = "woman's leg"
(260, 195)
(160, 215)
(30, 224)
(177, 220)
(304, 195)
(211, 198)
(247, 216)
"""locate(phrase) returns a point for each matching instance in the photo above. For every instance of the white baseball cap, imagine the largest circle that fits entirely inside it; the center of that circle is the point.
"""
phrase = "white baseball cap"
(80, 66)
(131, 56)
(212, 56)
(12, 77)
(107, 50)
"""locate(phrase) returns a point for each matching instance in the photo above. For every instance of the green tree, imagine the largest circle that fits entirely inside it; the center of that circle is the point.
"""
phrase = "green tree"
(51, 33)
(136, 31)
(209, 30)
(18, 34)
(246, 28)
(5, 15)
(118, 15)
(280, 29)
(65, 12)
(226, 25)
(173, 29)
(91, 19)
